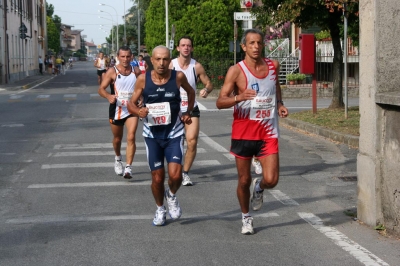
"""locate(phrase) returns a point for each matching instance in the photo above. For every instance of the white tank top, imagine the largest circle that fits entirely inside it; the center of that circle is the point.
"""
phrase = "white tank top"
(123, 87)
(101, 64)
(191, 76)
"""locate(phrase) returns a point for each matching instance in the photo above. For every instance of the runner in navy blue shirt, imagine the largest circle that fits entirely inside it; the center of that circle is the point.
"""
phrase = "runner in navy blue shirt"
(163, 128)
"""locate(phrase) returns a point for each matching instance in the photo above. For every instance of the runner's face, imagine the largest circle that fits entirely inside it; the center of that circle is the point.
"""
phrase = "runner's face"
(185, 47)
(161, 60)
(101, 55)
(124, 58)
(254, 45)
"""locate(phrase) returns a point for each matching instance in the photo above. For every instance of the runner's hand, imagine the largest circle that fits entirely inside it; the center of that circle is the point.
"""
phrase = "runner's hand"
(186, 119)
(282, 111)
(111, 98)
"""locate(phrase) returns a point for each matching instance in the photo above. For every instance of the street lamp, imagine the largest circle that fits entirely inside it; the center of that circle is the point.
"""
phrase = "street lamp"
(113, 23)
(138, 22)
(166, 23)
(100, 4)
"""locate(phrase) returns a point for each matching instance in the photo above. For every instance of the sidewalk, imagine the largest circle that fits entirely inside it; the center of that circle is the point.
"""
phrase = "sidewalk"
(26, 83)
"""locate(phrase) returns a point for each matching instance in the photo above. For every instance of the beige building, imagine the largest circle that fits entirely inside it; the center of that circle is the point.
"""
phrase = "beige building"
(19, 54)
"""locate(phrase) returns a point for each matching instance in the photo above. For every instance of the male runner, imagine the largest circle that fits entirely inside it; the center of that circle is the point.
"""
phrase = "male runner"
(193, 71)
(142, 64)
(163, 128)
(257, 104)
(101, 64)
(123, 78)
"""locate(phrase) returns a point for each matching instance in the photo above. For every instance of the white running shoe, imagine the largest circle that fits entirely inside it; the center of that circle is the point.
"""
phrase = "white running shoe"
(174, 209)
(256, 197)
(247, 226)
(159, 218)
(118, 167)
(128, 172)
(186, 180)
(257, 165)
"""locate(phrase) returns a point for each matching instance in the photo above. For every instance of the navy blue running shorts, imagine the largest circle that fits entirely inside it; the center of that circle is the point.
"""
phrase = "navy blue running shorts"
(158, 149)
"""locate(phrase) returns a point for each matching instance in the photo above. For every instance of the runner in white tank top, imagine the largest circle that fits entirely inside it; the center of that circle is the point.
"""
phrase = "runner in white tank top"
(123, 77)
(193, 71)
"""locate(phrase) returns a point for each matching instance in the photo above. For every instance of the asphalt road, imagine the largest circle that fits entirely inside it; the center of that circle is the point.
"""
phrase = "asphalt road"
(62, 204)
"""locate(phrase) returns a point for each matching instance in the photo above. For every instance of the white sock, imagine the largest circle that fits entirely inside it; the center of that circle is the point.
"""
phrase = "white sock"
(245, 215)
(128, 165)
(160, 208)
(170, 193)
(118, 158)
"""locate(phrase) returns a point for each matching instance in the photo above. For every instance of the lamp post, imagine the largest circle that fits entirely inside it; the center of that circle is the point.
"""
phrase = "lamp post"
(117, 20)
(138, 22)
(166, 23)
(112, 23)
(124, 24)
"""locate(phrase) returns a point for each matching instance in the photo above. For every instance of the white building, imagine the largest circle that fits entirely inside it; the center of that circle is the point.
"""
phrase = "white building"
(19, 54)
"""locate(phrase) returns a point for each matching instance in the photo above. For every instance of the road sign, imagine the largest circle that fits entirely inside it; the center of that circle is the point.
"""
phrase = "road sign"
(171, 44)
(243, 16)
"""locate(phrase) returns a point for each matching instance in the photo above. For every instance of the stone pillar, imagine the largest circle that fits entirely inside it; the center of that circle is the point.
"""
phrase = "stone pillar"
(378, 162)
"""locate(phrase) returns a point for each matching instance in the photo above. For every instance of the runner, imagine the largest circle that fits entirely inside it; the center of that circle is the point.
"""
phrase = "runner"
(123, 77)
(163, 128)
(257, 102)
(101, 64)
(142, 64)
(194, 71)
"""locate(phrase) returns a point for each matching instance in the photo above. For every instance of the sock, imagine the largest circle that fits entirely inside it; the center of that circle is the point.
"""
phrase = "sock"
(170, 194)
(118, 158)
(258, 188)
(244, 215)
(128, 165)
(160, 208)
(186, 172)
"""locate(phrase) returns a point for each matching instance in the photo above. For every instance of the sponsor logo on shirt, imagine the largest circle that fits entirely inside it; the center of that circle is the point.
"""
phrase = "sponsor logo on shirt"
(170, 94)
(176, 158)
(255, 87)
(153, 95)
(161, 89)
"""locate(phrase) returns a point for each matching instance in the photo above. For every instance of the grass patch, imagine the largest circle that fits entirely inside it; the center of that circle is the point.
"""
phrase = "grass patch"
(333, 119)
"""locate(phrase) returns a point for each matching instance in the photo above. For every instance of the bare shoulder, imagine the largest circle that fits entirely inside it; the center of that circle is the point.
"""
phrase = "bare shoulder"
(275, 62)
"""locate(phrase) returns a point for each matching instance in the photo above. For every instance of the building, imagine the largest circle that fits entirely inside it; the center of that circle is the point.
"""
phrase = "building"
(77, 42)
(66, 38)
(22, 38)
(91, 49)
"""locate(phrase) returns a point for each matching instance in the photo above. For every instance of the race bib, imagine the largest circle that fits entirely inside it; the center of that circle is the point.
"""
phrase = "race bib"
(159, 114)
(123, 99)
(184, 99)
(262, 107)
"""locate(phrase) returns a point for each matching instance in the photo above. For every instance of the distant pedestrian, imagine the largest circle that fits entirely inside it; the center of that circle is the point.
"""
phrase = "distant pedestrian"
(40, 65)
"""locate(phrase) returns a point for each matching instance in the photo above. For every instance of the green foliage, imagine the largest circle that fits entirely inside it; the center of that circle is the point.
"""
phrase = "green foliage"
(53, 36)
(215, 68)
(49, 10)
(291, 76)
(323, 34)
(208, 22)
(300, 76)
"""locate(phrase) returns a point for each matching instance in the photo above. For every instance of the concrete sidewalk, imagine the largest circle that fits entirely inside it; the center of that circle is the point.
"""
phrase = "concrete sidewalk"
(26, 83)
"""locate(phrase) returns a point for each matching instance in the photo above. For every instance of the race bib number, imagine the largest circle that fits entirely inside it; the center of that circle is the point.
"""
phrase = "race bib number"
(262, 107)
(159, 114)
(184, 99)
(123, 99)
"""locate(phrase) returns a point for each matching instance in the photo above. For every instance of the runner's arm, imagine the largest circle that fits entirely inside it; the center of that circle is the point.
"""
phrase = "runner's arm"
(181, 78)
(133, 104)
(282, 110)
(108, 78)
(208, 87)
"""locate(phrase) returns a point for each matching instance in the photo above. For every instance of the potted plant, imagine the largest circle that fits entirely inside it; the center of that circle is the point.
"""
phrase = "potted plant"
(300, 78)
(292, 77)
(324, 84)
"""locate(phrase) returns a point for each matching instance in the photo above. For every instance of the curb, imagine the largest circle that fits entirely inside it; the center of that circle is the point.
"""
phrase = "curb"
(33, 83)
(349, 140)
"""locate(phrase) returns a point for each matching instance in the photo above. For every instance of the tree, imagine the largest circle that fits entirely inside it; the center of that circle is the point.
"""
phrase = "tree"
(208, 22)
(327, 14)
(53, 35)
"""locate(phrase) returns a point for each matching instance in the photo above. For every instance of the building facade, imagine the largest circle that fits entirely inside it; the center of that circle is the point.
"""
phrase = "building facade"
(22, 38)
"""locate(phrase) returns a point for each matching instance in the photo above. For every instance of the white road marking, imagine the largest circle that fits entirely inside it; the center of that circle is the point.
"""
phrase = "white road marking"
(108, 164)
(201, 107)
(70, 96)
(13, 125)
(95, 95)
(91, 184)
(100, 153)
(42, 97)
(65, 218)
(15, 97)
(283, 198)
(34, 86)
(357, 251)
(210, 142)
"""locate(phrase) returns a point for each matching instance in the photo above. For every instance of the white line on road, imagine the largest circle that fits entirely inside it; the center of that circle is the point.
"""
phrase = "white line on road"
(64, 218)
(90, 184)
(34, 86)
(210, 142)
(100, 153)
(108, 164)
(357, 251)
(201, 107)
(91, 146)
(283, 198)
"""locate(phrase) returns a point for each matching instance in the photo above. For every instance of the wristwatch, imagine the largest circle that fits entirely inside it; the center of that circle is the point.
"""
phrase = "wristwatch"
(280, 101)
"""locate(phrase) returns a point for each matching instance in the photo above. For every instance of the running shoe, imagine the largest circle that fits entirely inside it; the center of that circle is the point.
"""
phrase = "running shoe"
(128, 172)
(118, 167)
(256, 197)
(186, 180)
(173, 206)
(160, 216)
(247, 226)
(257, 165)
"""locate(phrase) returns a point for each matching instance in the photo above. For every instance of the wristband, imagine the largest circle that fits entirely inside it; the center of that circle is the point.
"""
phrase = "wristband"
(207, 90)
(280, 101)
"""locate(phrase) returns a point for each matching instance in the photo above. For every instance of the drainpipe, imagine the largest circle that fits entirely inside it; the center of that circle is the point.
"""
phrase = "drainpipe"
(6, 48)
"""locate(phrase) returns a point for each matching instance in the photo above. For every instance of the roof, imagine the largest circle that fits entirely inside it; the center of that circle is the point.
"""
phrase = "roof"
(90, 44)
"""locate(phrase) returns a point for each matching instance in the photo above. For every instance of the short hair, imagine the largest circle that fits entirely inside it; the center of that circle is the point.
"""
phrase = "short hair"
(125, 49)
(185, 37)
(140, 56)
(256, 31)
(158, 47)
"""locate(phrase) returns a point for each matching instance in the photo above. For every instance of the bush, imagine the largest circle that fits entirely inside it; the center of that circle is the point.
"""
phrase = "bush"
(291, 76)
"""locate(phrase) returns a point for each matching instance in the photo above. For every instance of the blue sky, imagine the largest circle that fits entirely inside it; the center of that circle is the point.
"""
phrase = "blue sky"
(84, 15)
